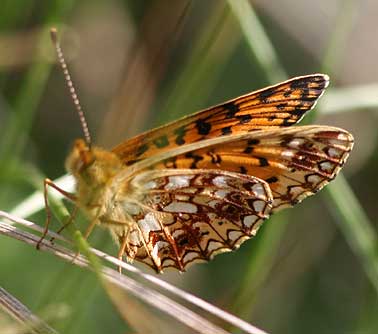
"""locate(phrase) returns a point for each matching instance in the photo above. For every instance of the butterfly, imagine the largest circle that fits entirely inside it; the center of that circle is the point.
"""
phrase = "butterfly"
(202, 185)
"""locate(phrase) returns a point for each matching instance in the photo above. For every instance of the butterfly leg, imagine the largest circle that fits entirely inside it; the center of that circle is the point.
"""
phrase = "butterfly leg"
(90, 229)
(125, 239)
(86, 234)
(122, 248)
(46, 184)
(69, 221)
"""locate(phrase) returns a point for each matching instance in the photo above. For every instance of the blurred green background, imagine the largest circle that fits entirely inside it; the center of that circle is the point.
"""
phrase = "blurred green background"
(138, 64)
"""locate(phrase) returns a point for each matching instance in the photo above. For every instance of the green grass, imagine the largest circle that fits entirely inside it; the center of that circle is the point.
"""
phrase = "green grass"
(229, 49)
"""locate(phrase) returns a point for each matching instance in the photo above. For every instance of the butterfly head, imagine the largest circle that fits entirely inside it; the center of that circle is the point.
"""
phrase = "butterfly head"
(80, 158)
(91, 165)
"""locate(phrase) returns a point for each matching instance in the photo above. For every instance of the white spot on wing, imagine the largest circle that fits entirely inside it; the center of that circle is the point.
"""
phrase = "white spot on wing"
(258, 189)
(326, 166)
(155, 251)
(259, 206)
(248, 221)
(181, 207)
(214, 245)
(189, 257)
(295, 143)
(157, 248)
(149, 223)
(342, 136)
(287, 154)
(177, 233)
(182, 197)
(168, 262)
(220, 181)
(235, 235)
(222, 193)
(314, 179)
(333, 153)
(296, 191)
(178, 181)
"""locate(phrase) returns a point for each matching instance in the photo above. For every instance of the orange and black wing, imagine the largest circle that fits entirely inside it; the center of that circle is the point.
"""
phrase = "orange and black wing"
(276, 106)
(296, 162)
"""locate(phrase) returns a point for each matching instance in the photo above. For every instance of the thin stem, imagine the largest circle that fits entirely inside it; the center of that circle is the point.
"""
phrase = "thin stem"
(148, 295)
(22, 314)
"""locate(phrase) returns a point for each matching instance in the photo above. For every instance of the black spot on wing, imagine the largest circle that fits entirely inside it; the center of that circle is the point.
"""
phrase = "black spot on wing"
(287, 93)
(248, 149)
(253, 142)
(243, 170)
(203, 127)
(130, 162)
(215, 158)
(250, 144)
(299, 84)
(299, 110)
(196, 159)
(232, 109)
(180, 133)
(161, 141)
(265, 94)
(263, 162)
(170, 162)
(281, 106)
(288, 121)
(309, 95)
(226, 130)
(244, 118)
(272, 179)
(142, 149)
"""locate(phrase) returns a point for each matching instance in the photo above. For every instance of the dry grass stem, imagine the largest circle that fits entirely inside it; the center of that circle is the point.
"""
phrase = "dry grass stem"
(139, 290)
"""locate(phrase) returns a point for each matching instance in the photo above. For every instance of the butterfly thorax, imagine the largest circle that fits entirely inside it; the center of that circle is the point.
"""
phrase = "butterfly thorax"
(93, 169)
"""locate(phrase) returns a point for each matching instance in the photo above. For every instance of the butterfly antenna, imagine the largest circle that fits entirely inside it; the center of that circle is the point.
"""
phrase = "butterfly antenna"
(84, 124)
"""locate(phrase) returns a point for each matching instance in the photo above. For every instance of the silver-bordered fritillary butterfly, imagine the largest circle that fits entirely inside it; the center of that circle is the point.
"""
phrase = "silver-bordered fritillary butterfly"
(202, 185)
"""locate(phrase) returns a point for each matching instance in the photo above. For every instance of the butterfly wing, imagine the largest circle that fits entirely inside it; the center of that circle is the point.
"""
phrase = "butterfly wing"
(184, 216)
(296, 162)
(276, 106)
(181, 211)
(211, 196)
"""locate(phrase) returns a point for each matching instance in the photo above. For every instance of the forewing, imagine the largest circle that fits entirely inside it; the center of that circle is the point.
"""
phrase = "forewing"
(295, 162)
(276, 106)
(185, 216)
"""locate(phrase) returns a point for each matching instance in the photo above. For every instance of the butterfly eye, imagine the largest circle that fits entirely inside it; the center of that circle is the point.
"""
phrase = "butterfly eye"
(86, 159)
(80, 158)
(85, 155)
